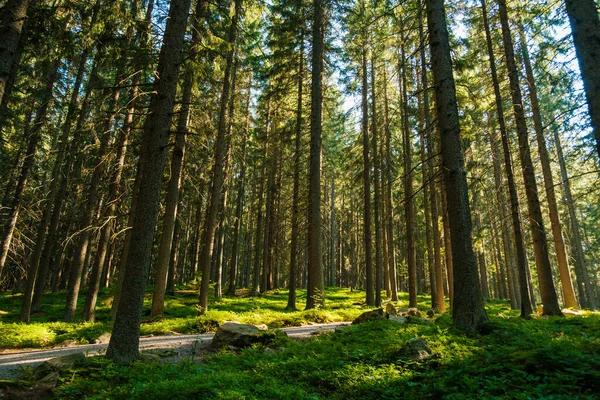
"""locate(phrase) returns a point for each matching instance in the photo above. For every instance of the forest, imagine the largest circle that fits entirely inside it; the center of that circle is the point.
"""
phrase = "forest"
(169, 166)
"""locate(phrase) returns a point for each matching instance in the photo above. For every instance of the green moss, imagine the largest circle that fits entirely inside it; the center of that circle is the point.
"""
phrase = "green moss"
(554, 358)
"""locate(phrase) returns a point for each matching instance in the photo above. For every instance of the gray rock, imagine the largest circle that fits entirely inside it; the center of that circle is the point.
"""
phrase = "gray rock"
(49, 380)
(67, 343)
(238, 335)
(368, 316)
(396, 319)
(416, 349)
(102, 339)
(390, 308)
(68, 361)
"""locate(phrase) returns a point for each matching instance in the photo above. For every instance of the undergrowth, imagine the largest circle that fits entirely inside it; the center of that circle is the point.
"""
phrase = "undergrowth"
(554, 358)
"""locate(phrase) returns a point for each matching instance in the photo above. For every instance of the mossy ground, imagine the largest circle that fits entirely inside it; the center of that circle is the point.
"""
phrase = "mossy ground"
(550, 358)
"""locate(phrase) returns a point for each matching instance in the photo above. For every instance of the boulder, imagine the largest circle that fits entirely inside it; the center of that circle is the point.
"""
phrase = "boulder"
(49, 381)
(391, 309)
(396, 319)
(67, 343)
(238, 335)
(64, 362)
(430, 313)
(102, 339)
(416, 349)
(368, 316)
(413, 312)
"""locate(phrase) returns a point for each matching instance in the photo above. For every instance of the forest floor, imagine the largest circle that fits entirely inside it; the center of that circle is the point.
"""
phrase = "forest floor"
(551, 358)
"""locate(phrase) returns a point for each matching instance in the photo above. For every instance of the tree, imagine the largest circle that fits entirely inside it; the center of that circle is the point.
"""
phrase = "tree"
(218, 172)
(13, 17)
(526, 306)
(315, 295)
(124, 342)
(540, 244)
(585, 28)
(468, 313)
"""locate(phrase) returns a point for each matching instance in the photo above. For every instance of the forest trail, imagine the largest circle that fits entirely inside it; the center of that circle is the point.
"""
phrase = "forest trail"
(169, 348)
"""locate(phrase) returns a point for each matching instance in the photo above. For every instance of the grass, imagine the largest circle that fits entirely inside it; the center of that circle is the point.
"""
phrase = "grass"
(542, 358)
(550, 358)
(46, 330)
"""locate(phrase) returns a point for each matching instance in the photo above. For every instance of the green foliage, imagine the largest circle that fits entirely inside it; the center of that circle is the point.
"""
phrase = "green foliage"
(542, 358)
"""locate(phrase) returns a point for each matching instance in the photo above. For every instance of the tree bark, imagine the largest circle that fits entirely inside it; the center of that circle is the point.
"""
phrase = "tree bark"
(177, 159)
(555, 225)
(526, 301)
(367, 184)
(409, 210)
(585, 28)
(218, 177)
(377, 203)
(124, 342)
(233, 268)
(586, 294)
(468, 313)
(294, 248)
(13, 17)
(391, 249)
(540, 245)
(315, 295)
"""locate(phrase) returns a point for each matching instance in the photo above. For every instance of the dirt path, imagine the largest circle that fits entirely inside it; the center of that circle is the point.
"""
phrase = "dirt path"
(175, 347)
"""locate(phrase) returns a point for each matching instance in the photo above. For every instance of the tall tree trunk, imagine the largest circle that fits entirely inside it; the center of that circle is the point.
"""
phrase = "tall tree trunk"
(526, 301)
(585, 27)
(559, 244)
(506, 237)
(294, 248)
(447, 243)
(260, 217)
(391, 249)
(468, 313)
(377, 203)
(239, 206)
(426, 177)
(177, 159)
(13, 17)
(35, 135)
(367, 183)
(538, 232)
(218, 172)
(427, 131)
(96, 275)
(124, 342)
(142, 62)
(485, 291)
(315, 295)
(332, 235)
(586, 294)
(409, 215)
